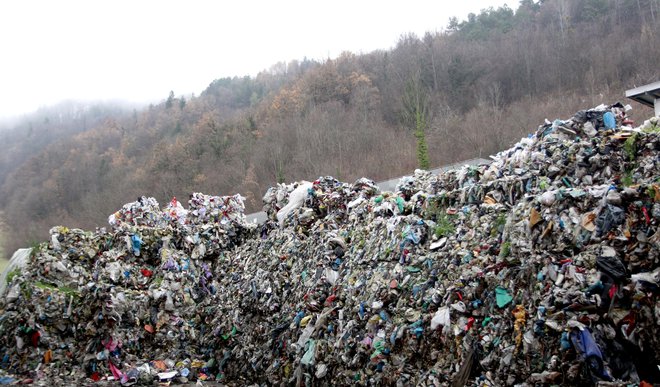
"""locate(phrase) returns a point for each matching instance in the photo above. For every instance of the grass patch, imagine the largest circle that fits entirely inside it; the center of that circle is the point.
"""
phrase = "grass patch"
(444, 226)
(157, 281)
(435, 208)
(12, 274)
(62, 289)
(36, 247)
(498, 225)
(652, 129)
(630, 147)
(627, 179)
(505, 250)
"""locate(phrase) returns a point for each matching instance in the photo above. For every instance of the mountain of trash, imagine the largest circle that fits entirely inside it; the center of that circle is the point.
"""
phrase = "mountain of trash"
(542, 267)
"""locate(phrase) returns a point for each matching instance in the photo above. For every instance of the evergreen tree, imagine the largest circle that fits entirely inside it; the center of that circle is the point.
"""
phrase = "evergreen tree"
(415, 116)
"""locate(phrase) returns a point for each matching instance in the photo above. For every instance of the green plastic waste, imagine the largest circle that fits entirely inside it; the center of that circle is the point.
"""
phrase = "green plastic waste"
(379, 346)
(399, 203)
(413, 269)
(503, 297)
(308, 357)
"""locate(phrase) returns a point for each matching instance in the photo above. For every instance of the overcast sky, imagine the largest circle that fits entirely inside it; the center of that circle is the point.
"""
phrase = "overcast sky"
(139, 50)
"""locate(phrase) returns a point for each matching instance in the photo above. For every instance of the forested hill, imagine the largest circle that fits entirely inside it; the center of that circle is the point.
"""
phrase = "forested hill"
(479, 85)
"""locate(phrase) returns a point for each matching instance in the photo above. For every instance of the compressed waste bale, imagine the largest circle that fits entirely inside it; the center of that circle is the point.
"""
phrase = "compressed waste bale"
(539, 268)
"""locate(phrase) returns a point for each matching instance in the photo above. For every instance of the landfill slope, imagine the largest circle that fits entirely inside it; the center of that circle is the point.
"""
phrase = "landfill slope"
(540, 268)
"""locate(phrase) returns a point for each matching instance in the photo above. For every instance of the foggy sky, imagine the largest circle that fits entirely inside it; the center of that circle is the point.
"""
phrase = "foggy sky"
(140, 50)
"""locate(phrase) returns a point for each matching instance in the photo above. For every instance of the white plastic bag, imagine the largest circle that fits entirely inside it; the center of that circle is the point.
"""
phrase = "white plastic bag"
(441, 317)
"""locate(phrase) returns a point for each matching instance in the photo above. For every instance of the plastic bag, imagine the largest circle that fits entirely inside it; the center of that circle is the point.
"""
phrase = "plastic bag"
(441, 317)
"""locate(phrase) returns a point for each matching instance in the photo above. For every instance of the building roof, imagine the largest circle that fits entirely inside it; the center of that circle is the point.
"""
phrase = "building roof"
(646, 94)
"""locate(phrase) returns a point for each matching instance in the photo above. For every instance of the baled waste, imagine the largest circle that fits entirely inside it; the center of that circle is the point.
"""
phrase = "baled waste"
(539, 268)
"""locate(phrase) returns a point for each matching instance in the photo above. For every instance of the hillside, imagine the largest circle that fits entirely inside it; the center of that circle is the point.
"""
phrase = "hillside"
(481, 84)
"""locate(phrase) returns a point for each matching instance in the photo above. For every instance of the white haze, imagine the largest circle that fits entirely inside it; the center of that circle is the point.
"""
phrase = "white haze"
(138, 51)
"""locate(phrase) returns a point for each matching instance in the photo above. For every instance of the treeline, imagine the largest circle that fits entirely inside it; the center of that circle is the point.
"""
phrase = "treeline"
(484, 82)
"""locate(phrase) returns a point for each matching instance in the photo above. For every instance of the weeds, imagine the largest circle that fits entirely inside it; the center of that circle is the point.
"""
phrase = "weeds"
(505, 250)
(62, 289)
(12, 274)
(444, 226)
(630, 147)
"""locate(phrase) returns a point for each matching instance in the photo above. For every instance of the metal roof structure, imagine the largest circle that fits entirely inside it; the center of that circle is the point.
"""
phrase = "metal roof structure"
(648, 95)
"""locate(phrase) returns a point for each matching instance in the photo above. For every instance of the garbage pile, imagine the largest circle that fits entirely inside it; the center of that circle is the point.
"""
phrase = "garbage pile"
(540, 268)
(86, 304)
